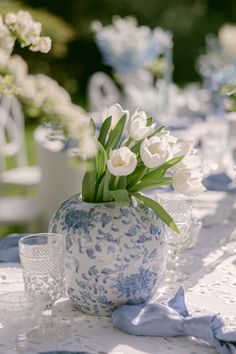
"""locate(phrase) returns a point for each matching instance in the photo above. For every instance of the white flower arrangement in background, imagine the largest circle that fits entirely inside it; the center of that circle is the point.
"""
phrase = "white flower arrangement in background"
(219, 62)
(43, 98)
(40, 96)
(22, 28)
(127, 47)
(135, 155)
(27, 31)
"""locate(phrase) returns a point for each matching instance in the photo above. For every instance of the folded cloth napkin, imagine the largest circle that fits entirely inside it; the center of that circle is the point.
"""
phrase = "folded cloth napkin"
(173, 319)
(219, 182)
(9, 251)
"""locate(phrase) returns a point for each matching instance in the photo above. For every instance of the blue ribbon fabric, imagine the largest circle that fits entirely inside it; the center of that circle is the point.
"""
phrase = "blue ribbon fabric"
(173, 319)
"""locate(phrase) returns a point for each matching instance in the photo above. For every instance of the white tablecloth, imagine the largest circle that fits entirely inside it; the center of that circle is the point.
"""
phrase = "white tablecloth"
(209, 277)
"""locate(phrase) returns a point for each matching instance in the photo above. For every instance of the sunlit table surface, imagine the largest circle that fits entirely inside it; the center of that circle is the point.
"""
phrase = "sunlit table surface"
(208, 275)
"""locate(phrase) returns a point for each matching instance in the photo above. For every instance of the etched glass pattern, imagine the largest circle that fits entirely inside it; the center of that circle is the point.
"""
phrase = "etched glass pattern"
(180, 208)
(42, 258)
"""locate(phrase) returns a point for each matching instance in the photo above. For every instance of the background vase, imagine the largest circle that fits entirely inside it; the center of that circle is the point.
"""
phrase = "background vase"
(115, 255)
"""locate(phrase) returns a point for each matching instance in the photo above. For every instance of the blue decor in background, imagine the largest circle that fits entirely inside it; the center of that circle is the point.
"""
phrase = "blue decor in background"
(219, 182)
(9, 251)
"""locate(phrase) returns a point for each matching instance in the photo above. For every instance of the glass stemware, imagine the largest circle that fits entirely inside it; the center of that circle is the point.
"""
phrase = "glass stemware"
(214, 144)
(194, 231)
(180, 208)
(19, 313)
(42, 259)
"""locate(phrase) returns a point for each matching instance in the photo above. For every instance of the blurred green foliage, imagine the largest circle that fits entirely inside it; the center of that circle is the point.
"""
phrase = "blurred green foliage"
(69, 23)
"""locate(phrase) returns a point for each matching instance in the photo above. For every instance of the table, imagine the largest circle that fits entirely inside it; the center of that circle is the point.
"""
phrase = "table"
(208, 275)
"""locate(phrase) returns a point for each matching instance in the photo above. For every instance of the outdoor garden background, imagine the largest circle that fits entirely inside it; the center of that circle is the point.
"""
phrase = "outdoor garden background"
(75, 56)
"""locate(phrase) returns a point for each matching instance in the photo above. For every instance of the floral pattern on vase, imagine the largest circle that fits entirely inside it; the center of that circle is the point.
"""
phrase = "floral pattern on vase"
(115, 255)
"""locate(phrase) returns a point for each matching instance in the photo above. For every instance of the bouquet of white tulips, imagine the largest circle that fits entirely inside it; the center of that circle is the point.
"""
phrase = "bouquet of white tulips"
(135, 155)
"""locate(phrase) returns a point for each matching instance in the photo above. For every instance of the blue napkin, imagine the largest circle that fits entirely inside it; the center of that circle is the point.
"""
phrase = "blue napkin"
(219, 182)
(9, 251)
(173, 319)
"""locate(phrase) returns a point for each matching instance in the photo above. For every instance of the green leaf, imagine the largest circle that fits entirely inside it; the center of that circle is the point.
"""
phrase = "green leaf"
(149, 121)
(161, 170)
(104, 130)
(107, 197)
(116, 134)
(134, 175)
(142, 170)
(101, 161)
(158, 130)
(103, 192)
(160, 212)
(92, 126)
(151, 183)
(99, 197)
(93, 175)
(121, 196)
(136, 147)
(89, 183)
(122, 182)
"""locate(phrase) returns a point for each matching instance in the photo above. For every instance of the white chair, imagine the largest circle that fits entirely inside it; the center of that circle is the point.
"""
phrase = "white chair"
(102, 92)
(19, 210)
(12, 143)
(59, 179)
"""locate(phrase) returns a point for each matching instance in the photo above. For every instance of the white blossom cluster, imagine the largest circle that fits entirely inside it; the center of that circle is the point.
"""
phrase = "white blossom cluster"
(155, 150)
(21, 26)
(125, 46)
(44, 98)
(40, 95)
(7, 41)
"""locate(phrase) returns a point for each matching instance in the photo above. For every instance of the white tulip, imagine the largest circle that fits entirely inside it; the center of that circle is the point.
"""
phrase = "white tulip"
(122, 162)
(155, 151)
(116, 112)
(138, 129)
(187, 181)
(171, 139)
(190, 159)
(184, 149)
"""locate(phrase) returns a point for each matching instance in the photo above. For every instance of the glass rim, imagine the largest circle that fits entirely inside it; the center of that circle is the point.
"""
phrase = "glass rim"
(173, 195)
(22, 239)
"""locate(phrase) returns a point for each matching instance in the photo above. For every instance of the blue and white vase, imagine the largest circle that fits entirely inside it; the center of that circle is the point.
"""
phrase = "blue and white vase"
(115, 255)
